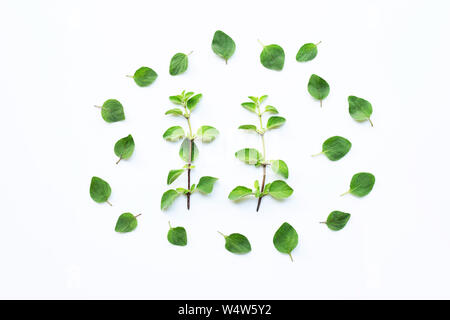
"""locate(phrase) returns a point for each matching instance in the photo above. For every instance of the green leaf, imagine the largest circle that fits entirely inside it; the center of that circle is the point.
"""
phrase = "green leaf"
(361, 185)
(175, 112)
(185, 150)
(144, 76)
(239, 192)
(176, 99)
(280, 167)
(173, 175)
(254, 99)
(272, 57)
(266, 188)
(124, 148)
(187, 95)
(285, 239)
(250, 106)
(99, 190)
(207, 133)
(192, 102)
(168, 198)
(318, 88)
(206, 184)
(307, 52)
(249, 155)
(248, 127)
(174, 133)
(262, 98)
(223, 45)
(127, 222)
(181, 190)
(336, 147)
(337, 220)
(177, 236)
(280, 189)
(275, 122)
(178, 64)
(271, 109)
(360, 109)
(237, 243)
(112, 111)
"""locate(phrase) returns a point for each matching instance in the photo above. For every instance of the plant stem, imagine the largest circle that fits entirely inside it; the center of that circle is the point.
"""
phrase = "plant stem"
(318, 43)
(371, 123)
(119, 160)
(98, 106)
(170, 225)
(108, 203)
(128, 76)
(191, 138)
(345, 193)
(222, 234)
(138, 215)
(321, 103)
(261, 43)
(262, 187)
(317, 154)
(290, 256)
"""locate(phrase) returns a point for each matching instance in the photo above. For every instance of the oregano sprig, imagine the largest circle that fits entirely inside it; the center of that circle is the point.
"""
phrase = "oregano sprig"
(277, 189)
(187, 102)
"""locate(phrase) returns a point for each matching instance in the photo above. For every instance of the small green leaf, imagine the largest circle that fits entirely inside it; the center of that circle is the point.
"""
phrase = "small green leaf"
(249, 155)
(124, 148)
(207, 133)
(360, 109)
(176, 99)
(248, 127)
(223, 45)
(250, 106)
(307, 52)
(206, 184)
(254, 99)
(185, 150)
(192, 102)
(337, 220)
(361, 185)
(168, 198)
(177, 236)
(318, 88)
(237, 243)
(174, 133)
(271, 109)
(275, 122)
(239, 192)
(280, 167)
(173, 175)
(266, 189)
(187, 95)
(262, 98)
(144, 76)
(175, 112)
(99, 190)
(178, 64)
(285, 239)
(336, 147)
(112, 111)
(272, 57)
(280, 189)
(181, 190)
(127, 222)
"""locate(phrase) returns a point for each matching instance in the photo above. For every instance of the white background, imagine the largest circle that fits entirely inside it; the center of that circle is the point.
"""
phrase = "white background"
(59, 58)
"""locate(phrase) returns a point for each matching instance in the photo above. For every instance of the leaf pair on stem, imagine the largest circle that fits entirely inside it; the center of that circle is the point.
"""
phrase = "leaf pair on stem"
(278, 189)
(187, 102)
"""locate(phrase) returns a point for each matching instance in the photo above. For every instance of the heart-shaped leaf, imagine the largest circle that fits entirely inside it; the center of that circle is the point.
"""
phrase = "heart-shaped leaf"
(223, 45)
(361, 185)
(144, 76)
(307, 52)
(336, 147)
(174, 133)
(178, 64)
(124, 148)
(272, 57)
(360, 109)
(177, 236)
(285, 239)
(127, 222)
(237, 243)
(239, 192)
(337, 220)
(99, 190)
(318, 88)
(112, 111)
(280, 189)
(206, 184)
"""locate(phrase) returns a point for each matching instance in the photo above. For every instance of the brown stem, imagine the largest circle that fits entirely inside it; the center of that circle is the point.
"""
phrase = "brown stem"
(262, 186)
(138, 215)
(188, 195)
(119, 160)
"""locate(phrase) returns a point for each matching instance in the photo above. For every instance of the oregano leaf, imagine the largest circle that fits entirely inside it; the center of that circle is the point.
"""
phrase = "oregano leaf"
(206, 184)
(193, 101)
(168, 198)
(250, 106)
(249, 155)
(174, 133)
(307, 52)
(337, 220)
(177, 236)
(178, 64)
(361, 184)
(254, 99)
(336, 148)
(173, 175)
(272, 57)
(280, 167)
(144, 76)
(185, 150)
(223, 45)
(275, 122)
(280, 189)
(286, 239)
(124, 148)
(239, 192)
(127, 222)
(360, 109)
(271, 109)
(318, 88)
(248, 127)
(112, 111)
(99, 190)
(175, 112)
(207, 133)
(176, 99)
(237, 243)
